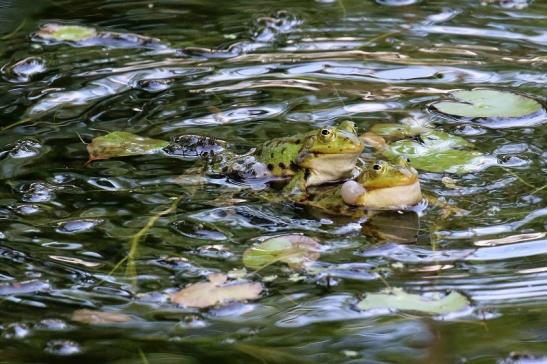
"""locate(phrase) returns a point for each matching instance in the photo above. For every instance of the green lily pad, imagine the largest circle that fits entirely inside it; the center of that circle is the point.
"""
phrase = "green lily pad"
(397, 299)
(292, 249)
(437, 151)
(487, 104)
(393, 130)
(122, 144)
(67, 33)
(408, 127)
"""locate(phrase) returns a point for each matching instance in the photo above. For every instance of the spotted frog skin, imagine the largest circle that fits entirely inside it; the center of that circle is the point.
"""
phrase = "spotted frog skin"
(309, 159)
(380, 186)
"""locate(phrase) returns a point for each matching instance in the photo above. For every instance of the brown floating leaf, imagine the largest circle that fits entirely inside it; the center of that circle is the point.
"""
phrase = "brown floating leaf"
(216, 292)
(122, 144)
(93, 317)
(374, 140)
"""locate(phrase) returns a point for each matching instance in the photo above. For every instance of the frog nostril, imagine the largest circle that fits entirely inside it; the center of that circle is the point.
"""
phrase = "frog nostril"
(325, 132)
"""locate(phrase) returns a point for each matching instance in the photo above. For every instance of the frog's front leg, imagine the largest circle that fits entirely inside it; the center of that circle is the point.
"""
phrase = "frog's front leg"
(296, 188)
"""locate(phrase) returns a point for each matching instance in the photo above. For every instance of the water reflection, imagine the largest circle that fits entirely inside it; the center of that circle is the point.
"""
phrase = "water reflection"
(246, 73)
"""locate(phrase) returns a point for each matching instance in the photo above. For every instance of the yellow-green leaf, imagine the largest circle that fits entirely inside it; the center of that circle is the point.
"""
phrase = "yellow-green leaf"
(122, 144)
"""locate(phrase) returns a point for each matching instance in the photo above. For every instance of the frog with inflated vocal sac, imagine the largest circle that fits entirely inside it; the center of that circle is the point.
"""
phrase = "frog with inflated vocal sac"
(380, 186)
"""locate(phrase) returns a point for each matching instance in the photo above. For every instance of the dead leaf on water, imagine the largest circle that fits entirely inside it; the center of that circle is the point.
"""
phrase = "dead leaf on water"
(218, 291)
(94, 317)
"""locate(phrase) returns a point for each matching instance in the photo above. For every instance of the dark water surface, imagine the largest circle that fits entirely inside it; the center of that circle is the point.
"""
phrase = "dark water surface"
(248, 71)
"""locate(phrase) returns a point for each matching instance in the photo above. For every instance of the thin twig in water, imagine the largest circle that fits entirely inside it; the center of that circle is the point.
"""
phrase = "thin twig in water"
(17, 123)
(8, 36)
(519, 178)
(135, 240)
(143, 357)
(341, 3)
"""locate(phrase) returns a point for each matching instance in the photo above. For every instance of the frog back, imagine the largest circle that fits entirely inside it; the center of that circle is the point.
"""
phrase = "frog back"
(279, 155)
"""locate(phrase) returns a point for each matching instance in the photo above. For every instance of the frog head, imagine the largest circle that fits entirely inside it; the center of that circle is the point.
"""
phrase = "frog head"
(384, 185)
(330, 154)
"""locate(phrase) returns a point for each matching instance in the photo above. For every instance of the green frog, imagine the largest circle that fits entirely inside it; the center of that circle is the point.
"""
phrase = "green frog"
(380, 186)
(309, 159)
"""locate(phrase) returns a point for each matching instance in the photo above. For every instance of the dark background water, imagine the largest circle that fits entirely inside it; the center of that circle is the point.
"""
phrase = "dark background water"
(248, 71)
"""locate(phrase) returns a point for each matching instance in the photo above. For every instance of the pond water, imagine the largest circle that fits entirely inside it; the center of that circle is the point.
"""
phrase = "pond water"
(247, 72)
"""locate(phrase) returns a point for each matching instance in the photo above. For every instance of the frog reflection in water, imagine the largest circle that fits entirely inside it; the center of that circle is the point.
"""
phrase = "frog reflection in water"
(380, 186)
(309, 159)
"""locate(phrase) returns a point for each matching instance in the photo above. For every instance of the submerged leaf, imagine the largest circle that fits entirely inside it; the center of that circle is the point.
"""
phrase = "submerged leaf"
(122, 144)
(292, 249)
(487, 104)
(94, 317)
(437, 151)
(397, 299)
(68, 33)
(216, 292)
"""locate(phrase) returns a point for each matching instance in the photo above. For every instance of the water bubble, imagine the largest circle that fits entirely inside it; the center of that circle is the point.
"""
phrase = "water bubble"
(78, 226)
(38, 192)
(51, 324)
(16, 331)
(62, 347)
(24, 148)
(27, 209)
(153, 86)
(25, 69)
(196, 231)
(217, 251)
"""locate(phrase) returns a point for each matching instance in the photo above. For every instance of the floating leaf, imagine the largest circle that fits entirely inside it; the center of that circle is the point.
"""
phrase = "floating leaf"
(437, 151)
(374, 140)
(487, 104)
(94, 317)
(81, 36)
(292, 249)
(216, 292)
(67, 33)
(122, 144)
(397, 299)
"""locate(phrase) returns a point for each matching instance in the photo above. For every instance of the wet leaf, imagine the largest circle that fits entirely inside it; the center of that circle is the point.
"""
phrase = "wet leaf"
(374, 140)
(216, 292)
(487, 104)
(94, 317)
(69, 33)
(122, 144)
(292, 249)
(437, 151)
(81, 36)
(397, 299)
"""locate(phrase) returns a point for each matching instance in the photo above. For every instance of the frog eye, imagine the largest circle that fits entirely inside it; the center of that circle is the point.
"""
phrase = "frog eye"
(378, 167)
(326, 135)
